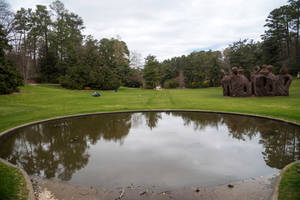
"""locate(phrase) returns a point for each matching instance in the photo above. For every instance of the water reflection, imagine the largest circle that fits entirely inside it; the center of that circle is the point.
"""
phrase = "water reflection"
(60, 148)
(152, 119)
(137, 143)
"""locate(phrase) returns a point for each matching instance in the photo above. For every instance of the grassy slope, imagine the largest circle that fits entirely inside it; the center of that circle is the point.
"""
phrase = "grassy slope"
(45, 101)
(289, 188)
(12, 183)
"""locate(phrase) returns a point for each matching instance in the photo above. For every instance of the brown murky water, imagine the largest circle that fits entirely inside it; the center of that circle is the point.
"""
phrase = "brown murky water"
(161, 149)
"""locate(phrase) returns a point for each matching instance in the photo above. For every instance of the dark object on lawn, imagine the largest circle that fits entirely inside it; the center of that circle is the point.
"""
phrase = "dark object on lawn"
(96, 94)
(263, 82)
(116, 90)
(298, 170)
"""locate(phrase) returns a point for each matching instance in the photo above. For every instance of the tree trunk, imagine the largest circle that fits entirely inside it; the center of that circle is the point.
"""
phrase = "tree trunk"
(297, 37)
(34, 54)
(288, 40)
(46, 42)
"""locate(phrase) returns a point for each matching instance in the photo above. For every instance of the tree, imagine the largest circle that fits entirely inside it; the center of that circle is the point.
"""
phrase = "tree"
(115, 54)
(202, 69)
(10, 79)
(22, 25)
(43, 23)
(6, 18)
(135, 60)
(295, 25)
(281, 39)
(246, 54)
(151, 72)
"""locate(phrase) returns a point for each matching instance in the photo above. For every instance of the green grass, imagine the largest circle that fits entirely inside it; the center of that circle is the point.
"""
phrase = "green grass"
(12, 183)
(289, 188)
(45, 101)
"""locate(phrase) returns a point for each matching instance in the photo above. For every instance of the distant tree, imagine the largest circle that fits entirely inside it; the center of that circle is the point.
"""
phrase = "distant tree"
(295, 22)
(168, 71)
(202, 69)
(151, 72)
(99, 65)
(22, 26)
(136, 60)
(246, 54)
(114, 53)
(6, 18)
(171, 83)
(43, 23)
(281, 39)
(135, 78)
(10, 79)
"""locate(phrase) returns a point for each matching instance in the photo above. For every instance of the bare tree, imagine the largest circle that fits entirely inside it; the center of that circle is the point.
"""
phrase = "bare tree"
(136, 60)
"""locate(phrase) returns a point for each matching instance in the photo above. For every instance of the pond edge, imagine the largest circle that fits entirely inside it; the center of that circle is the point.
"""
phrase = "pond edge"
(26, 177)
(275, 194)
(29, 184)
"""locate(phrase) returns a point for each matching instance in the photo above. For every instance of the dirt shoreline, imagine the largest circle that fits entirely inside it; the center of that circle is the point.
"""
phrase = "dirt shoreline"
(260, 188)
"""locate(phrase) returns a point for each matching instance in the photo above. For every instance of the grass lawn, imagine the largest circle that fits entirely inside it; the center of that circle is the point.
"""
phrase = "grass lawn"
(45, 101)
(289, 188)
(12, 183)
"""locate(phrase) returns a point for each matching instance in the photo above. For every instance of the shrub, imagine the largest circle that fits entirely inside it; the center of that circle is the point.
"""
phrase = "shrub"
(10, 79)
(76, 78)
(102, 78)
(171, 83)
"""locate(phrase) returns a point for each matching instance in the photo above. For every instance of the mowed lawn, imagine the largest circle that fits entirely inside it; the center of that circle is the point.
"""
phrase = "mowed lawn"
(46, 101)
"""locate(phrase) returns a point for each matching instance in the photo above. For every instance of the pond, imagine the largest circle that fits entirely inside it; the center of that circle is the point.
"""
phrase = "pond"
(161, 149)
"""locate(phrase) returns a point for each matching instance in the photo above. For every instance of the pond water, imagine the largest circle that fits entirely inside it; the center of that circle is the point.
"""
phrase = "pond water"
(163, 149)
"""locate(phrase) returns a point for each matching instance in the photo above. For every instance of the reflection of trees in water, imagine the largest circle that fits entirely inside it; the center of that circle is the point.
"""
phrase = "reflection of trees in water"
(113, 127)
(59, 148)
(238, 126)
(137, 120)
(241, 127)
(152, 118)
(282, 144)
(281, 141)
(41, 151)
(198, 120)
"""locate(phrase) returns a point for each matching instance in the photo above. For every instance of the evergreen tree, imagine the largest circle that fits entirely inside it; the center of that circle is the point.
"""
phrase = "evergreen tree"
(10, 79)
(151, 72)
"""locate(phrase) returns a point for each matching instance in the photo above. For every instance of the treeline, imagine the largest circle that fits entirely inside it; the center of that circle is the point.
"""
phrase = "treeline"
(198, 69)
(46, 44)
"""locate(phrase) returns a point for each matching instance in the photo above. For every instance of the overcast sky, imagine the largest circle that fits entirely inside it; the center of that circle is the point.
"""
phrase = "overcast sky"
(167, 28)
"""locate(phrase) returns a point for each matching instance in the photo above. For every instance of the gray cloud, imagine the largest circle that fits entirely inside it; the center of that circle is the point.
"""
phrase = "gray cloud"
(167, 28)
